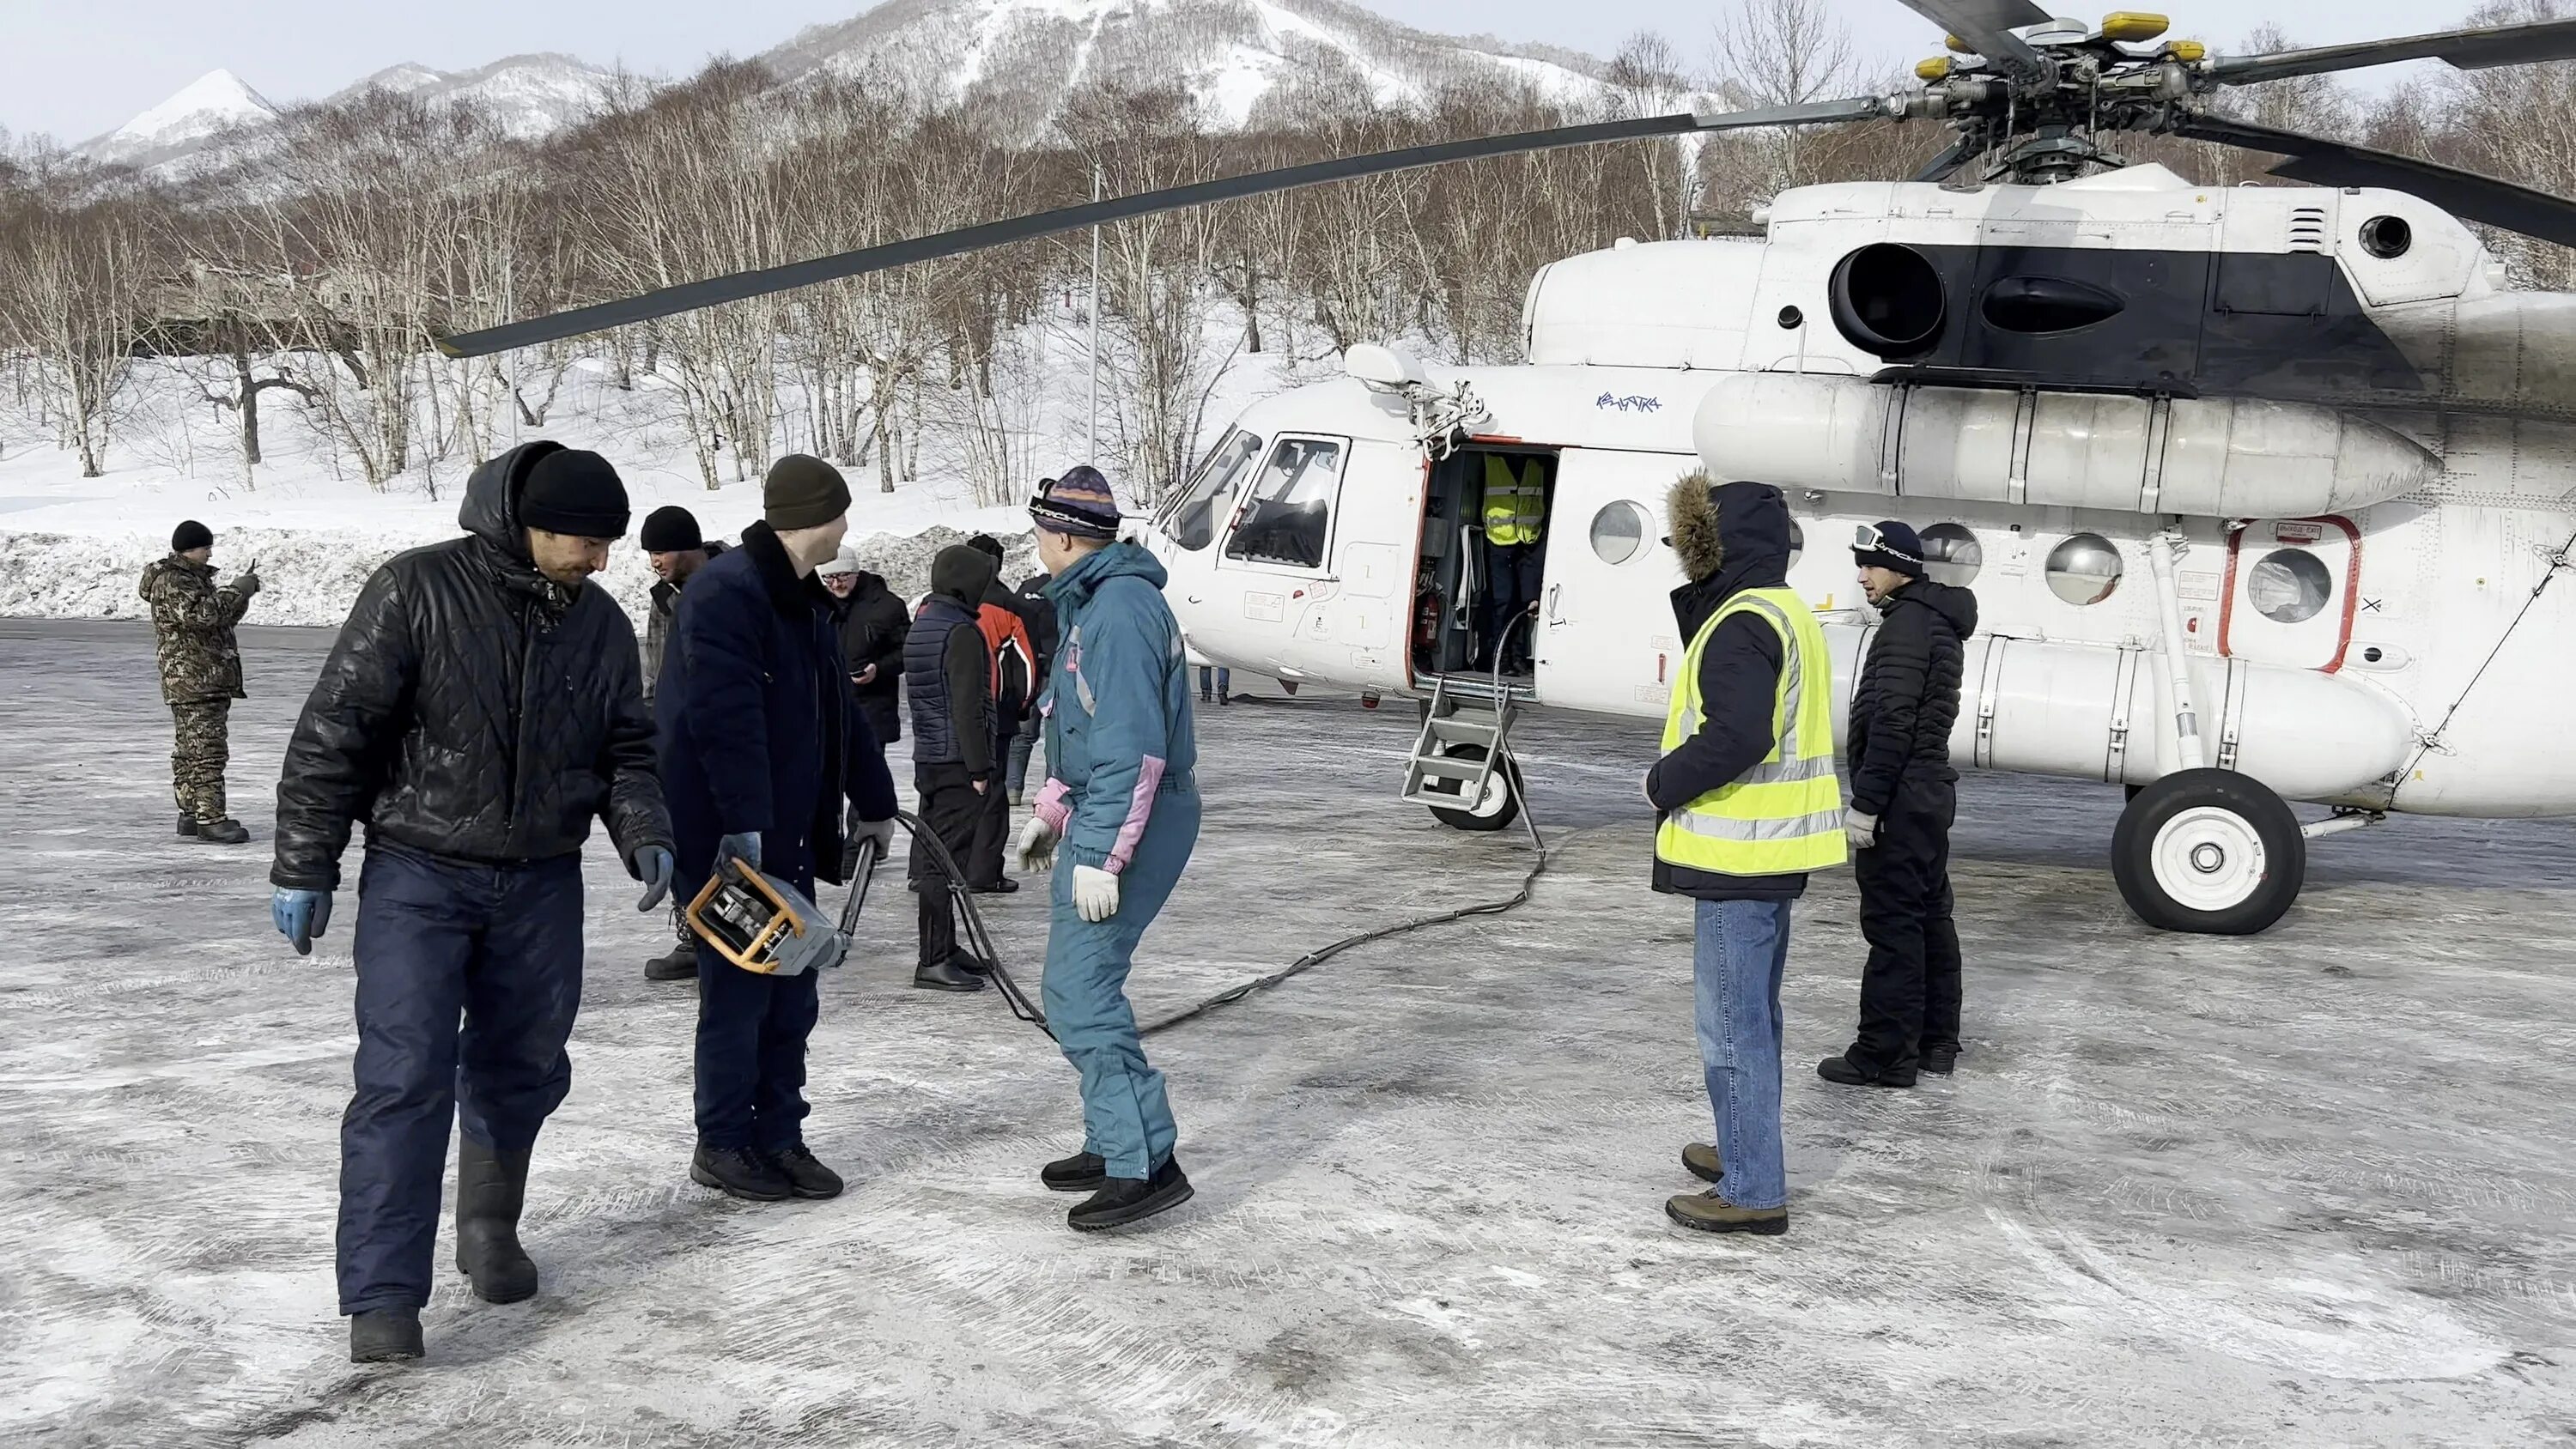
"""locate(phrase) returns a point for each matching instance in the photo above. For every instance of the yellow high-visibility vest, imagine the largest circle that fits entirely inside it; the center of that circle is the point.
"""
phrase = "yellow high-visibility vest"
(1515, 508)
(1785, 815)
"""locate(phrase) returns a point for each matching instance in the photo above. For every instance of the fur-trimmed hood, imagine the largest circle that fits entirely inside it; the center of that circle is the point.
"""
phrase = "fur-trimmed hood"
(1729, 537)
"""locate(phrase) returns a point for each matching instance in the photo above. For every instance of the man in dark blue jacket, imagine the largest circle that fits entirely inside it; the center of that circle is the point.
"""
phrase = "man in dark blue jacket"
(948, 681)
(761, 740)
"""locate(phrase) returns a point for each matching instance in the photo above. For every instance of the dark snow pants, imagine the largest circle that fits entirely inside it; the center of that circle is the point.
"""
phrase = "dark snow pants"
(752, 1031)
(983, 861)
(952, 811)
(1909, 991)
(438, 940)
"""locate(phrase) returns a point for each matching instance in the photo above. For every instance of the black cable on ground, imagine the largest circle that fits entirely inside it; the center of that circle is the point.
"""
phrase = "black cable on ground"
(1317, 957)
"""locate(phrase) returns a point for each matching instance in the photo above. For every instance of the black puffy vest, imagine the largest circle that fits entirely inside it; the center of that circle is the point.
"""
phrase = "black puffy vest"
(925, 679)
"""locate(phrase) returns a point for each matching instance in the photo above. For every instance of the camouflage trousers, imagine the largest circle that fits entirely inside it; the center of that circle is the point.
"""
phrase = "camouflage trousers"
(201, 747)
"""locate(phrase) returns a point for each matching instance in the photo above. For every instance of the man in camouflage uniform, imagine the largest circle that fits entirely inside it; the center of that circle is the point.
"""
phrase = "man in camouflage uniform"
(201, 675)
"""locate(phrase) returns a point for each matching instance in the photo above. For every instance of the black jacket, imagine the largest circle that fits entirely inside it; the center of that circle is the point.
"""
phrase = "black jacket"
(948, 668)
(1907, 697)
(1039, 611)
(1732, 537)
(664, 606)
(873, 623)
(760, 733)
(472, 709)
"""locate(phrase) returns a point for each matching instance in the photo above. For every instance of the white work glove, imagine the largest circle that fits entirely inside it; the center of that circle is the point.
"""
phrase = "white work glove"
(1037, 846)
(1861, 830)
(1095, 893)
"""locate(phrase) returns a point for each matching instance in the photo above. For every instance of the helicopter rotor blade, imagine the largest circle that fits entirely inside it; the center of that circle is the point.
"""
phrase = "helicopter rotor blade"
(2465, 194)
(1986, 27)
(690, 296)
(2475, 49)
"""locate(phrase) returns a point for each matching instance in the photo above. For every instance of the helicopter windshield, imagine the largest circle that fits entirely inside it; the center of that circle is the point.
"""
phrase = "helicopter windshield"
(1193, 517)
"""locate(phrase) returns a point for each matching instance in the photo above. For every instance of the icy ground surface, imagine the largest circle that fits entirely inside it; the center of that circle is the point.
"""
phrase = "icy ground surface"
(2310, 1189)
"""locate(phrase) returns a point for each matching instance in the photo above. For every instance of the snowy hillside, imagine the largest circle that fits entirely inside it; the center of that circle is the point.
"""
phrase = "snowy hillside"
(180, 125)
(532, 96)
(73, 547)
(1017, 60)
(1028, 56)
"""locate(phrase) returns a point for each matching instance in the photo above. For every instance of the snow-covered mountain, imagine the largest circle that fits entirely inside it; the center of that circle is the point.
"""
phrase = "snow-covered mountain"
(206, 106)
(531, 95)
(1027, 56)
(1019, 59)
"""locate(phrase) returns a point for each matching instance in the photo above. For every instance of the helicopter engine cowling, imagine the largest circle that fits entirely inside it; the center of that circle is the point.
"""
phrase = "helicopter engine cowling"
(2207, 457)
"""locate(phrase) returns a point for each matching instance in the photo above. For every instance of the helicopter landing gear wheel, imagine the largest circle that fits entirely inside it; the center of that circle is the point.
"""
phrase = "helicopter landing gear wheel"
(1496, 808)
(2210, 852)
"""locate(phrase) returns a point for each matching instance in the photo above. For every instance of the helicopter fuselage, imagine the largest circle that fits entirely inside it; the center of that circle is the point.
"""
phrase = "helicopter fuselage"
(2366, 447)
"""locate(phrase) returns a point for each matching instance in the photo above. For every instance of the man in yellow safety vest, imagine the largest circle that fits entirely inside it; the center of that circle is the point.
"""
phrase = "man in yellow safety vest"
(1514, 517)
(1750, 805)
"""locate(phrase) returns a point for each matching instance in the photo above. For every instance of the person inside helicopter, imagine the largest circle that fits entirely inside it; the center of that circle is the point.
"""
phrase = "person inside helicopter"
(1514, 516)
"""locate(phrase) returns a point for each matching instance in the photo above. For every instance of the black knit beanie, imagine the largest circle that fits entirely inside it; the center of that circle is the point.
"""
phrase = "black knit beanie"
(672, 529)
(574, 492)
(802, 491)
(191, 534)
(987, 545)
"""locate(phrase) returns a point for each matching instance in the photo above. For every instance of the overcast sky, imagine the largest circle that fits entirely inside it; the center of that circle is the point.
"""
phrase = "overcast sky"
(75, 68)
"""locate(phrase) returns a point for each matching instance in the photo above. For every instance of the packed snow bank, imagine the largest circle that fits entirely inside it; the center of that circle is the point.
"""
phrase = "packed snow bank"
(73, 547)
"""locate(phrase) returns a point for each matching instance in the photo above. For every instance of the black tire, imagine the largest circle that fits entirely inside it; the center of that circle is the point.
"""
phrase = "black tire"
(2209, 852)
(1499, 818)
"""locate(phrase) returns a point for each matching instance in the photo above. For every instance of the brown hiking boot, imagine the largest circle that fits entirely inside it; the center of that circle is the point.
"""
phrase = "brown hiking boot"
(1710, 1212)
(1702, 1161)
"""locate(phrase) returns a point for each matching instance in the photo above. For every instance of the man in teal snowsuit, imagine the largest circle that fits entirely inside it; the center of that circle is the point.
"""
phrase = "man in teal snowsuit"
(1122, 800)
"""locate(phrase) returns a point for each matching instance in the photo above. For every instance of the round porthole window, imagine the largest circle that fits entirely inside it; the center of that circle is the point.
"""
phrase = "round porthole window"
(2289, 586)
(2085, 569)
(1951, 555)
(1797, 542)
(1618, 532)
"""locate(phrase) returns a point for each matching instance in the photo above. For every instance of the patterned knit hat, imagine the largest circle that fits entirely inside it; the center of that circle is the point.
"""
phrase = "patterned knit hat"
(1079, 505)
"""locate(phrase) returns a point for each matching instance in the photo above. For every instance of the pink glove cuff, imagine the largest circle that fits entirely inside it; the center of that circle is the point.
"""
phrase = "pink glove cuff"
(1052, 809)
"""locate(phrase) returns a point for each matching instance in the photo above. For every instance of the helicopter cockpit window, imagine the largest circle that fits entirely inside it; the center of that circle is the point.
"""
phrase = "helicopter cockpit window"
(1952, 555)
(2289, 586)
(2085, 569)
(1289, 516)
(1618, 532)
(1210, 498)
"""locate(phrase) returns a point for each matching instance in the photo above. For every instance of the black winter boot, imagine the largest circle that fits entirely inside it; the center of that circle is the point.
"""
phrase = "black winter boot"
(947, 975)
(227, 831)
(1843, 1072)
(740, 1172)
(187, 826)
(1082, 1172)
(384, 1335)
(1941, 1059)
(806, 1178)
(491, 1190)
(1130, 1199)
(680, 965)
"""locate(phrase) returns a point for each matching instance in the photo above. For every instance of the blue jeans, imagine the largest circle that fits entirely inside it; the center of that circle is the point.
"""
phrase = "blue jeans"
(1224, 682)
(1742, 948)
(469, 977)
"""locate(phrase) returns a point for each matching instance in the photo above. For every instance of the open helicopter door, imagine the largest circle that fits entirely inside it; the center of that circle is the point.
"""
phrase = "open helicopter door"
(1606, 636)
(2289, 593)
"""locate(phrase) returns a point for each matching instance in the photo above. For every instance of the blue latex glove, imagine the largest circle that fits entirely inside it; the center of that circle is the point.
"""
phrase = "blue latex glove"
(744, 847)
(653, 867)
(300, 916)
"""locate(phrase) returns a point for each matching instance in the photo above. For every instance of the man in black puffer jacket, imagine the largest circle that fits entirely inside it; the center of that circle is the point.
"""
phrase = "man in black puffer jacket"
(482, 706)
(1904, 795)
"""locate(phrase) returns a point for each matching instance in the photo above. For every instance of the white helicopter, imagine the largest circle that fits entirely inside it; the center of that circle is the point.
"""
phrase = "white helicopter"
(2263, 491)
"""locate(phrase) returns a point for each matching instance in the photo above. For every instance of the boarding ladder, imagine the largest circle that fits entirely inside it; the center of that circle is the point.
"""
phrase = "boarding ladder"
(1469, 713)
